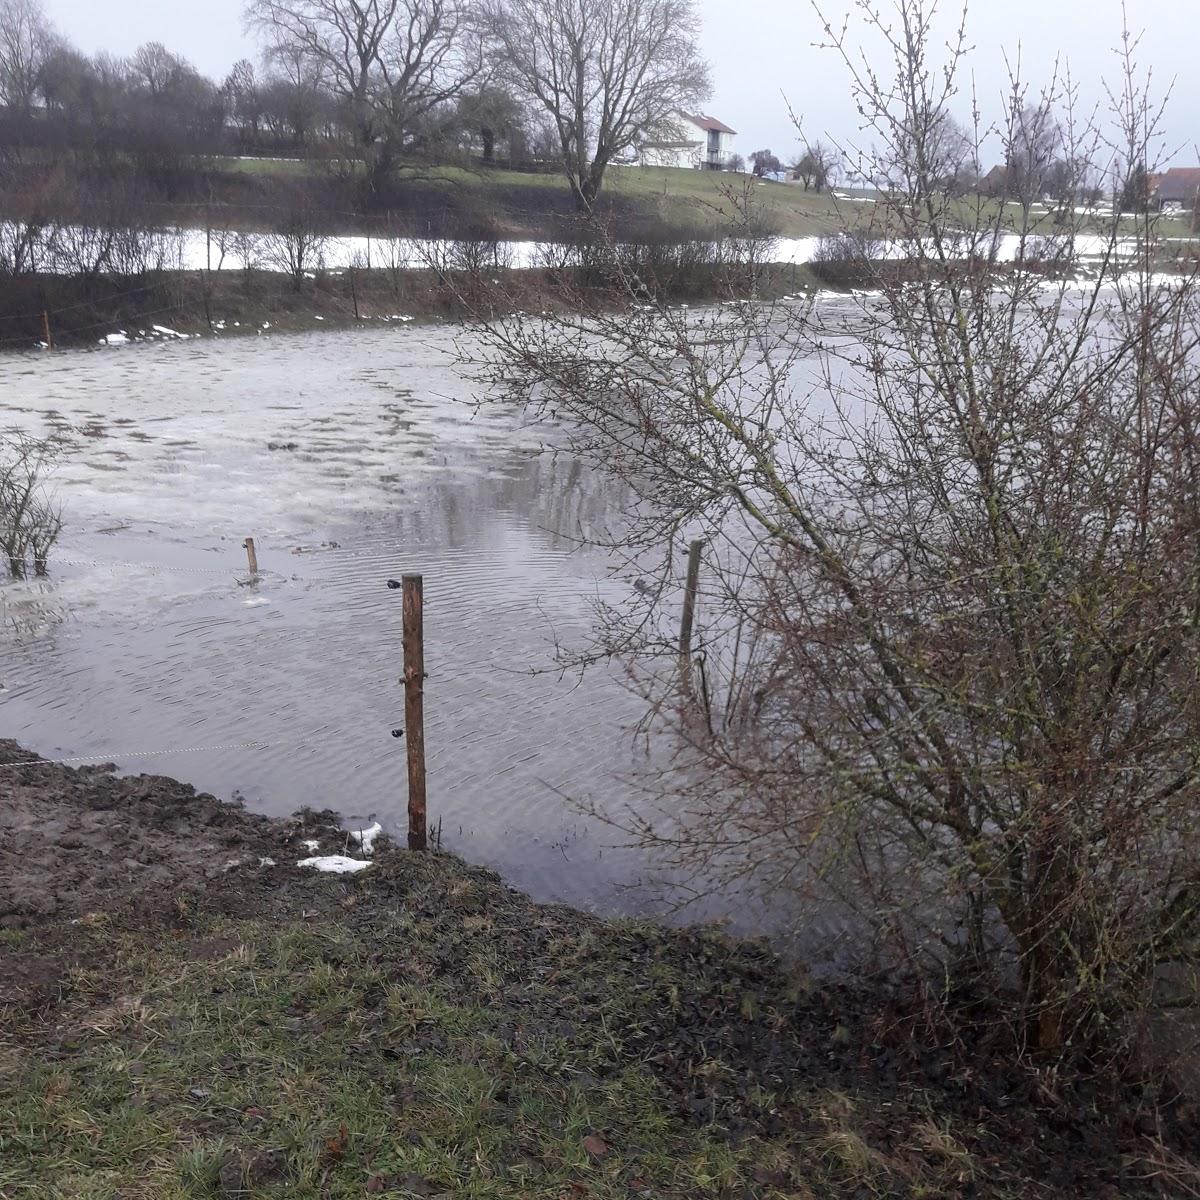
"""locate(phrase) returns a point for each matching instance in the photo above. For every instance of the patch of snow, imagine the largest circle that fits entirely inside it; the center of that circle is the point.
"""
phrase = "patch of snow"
(366, 837)
(336, 864)
(310, 844)
(266, 862)
(120, 338)
(163, 331)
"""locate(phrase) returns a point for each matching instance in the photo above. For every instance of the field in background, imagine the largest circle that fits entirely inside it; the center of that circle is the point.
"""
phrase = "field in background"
(529, 204)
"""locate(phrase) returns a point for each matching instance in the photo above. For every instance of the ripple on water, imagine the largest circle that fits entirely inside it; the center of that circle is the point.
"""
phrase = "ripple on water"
(147, 636)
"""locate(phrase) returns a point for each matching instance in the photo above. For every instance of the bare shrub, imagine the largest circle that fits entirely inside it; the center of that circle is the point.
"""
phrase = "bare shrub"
(952, 612)
(20, 245)
(296, 245)
(850, 259)
(30, 521)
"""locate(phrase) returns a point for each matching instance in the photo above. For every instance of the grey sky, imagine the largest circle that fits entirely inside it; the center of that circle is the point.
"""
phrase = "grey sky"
(758, 49)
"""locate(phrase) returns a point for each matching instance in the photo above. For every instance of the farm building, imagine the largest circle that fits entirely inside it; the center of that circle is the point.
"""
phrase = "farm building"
(699, 142)
(1176, 190)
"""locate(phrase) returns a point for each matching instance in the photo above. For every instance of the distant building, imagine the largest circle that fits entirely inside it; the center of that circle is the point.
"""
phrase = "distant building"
(1175, 190)
(699, 142)
(995, 182)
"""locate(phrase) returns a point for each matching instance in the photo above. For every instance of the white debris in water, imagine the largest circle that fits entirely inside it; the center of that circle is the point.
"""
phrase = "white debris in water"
(366, 837)
(317, 318)
(255, 601)
(337, 864)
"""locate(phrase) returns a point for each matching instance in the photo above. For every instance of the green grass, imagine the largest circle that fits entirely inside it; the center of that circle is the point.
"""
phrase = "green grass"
(430, 1045)
(686, 198)
(419, 1030)
(299, 1066)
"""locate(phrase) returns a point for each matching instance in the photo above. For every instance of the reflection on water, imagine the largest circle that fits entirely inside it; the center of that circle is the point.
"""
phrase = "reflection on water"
(350, 459)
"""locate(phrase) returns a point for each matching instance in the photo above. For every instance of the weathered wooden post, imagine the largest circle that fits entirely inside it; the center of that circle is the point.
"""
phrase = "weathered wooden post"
(46, 326)
(689, 616)
(414, 708)
(251, 557)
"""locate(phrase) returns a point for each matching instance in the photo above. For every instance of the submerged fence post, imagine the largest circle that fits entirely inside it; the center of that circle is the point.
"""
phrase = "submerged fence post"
(251, 556)
(46, 326)
(689, 616)
(414, 707)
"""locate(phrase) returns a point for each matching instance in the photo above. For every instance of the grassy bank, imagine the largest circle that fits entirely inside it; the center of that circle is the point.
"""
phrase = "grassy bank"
(539, 205)
(185, 1014)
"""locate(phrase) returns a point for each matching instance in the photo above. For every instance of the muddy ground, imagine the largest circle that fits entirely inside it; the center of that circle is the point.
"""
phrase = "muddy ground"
(184, 1012)
(77, 841)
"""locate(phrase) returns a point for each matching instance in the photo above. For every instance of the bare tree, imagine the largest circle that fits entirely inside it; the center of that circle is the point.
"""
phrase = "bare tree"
(241, 86)
(26, 41)
(1033, 141)
(765, 162)
(952, 619)
(816, 166)
(393, 64)
(30, 521)
(155, 68)
(606, 72)
(493, 114)
(296, 245)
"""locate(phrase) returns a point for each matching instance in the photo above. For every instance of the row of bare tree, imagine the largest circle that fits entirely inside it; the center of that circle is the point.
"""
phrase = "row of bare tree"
(367, 86)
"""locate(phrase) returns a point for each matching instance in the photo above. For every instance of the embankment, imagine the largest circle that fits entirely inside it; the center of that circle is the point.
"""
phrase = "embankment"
(87, 312)
(184, 1012)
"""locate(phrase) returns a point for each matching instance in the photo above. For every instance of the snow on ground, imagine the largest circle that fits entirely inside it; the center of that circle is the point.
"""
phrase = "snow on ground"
(195, 249)
(366, 837)
(336, 864)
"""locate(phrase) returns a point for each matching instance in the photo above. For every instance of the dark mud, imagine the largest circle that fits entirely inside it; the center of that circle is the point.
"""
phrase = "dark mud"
(76, 841)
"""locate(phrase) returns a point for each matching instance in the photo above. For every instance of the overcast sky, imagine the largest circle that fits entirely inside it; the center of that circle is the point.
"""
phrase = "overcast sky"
(760, 49)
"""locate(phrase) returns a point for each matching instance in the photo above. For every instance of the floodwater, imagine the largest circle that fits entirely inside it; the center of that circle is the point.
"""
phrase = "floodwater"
(351, 458)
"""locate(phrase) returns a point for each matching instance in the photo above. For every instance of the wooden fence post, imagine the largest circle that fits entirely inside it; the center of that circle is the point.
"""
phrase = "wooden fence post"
(689, 616)
(46, 326)
(414, 708)
(251, 556)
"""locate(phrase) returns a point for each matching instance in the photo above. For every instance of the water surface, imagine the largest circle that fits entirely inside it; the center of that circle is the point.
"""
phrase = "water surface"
(350, 458)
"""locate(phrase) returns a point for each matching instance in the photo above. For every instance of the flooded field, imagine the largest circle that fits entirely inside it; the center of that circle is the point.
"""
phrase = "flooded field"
(350, 458)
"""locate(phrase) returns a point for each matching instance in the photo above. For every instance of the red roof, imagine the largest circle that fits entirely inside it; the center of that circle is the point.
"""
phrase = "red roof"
(1179, 183)
(709, 123)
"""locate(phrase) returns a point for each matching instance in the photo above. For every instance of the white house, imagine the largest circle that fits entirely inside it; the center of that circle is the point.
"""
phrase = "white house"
(699, 142)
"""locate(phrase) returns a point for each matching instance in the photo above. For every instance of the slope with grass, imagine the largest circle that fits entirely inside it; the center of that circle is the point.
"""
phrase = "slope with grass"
(665, 200)
(186, 1014)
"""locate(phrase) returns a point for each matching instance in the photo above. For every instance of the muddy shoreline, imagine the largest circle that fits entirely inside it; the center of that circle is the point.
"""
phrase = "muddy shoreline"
(118, 895)
(74, 841)
(83, 312)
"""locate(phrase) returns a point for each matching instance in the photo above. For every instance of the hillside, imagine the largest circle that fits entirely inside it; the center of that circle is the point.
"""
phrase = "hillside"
(663, 201)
